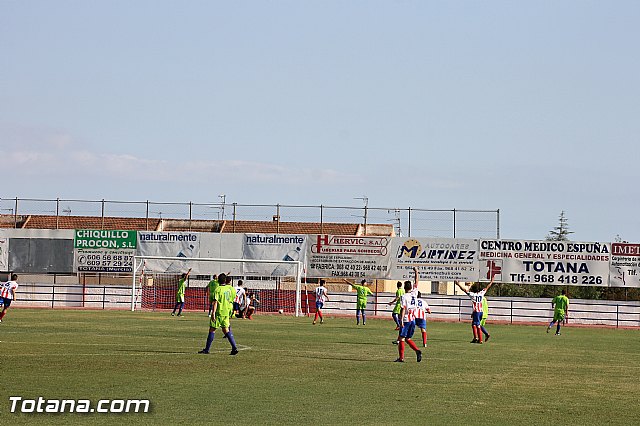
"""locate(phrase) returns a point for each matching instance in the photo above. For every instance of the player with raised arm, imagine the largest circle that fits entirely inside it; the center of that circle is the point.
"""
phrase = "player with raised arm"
(421, 311)
(8, 294)
(182, 286)
(407, 311)
(362, 292)
(395, 314)
(560, 305)
(322, 295)
(476, 294)
(222, 308)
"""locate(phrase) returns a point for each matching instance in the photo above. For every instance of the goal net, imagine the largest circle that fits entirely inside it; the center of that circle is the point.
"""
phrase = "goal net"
(274, 283)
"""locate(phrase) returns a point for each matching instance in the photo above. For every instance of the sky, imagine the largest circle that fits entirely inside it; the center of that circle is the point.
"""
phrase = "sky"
(532, 108)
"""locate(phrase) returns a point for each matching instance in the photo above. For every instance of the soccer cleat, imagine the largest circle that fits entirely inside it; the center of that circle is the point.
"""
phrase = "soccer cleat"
(474, 341)
(364, 323)
(548, 328)
(313, 323)
(397, 328)
(399, 360)
(395, 342)
(321, 322)
(479, 342)
(424, 345)
(204, 351)
(173, 314)
(486, 339)
(234, 352)
(557, 334)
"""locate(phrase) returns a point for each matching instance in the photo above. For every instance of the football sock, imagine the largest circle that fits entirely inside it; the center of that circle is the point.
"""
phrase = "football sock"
(180, 311)
(412, 345)
(424, 337)
(316, 317)
(557, 327)
(364, 318)
(232, 340)
(209, 340)
(484, 331)
(401, 349)
(2, 314)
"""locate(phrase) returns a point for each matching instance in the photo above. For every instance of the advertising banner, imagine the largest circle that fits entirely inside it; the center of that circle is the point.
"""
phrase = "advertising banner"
(4, 254)
(103, 250)
(273, 247)
(545, 262)
(348, 256)
(441, 259)
(625, 265)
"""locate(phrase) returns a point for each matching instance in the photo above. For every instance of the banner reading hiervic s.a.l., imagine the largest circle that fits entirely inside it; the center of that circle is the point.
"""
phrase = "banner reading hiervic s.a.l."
(348, 256)
(545, 262)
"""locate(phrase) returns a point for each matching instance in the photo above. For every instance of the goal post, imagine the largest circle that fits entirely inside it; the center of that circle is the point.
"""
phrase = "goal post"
(155, 279)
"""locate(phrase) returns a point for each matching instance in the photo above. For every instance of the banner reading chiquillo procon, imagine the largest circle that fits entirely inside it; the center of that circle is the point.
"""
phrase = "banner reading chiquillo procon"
(625, 265)
(437, 259)
(348, 256)
(273, 247)
(103, 250)
(545, 262)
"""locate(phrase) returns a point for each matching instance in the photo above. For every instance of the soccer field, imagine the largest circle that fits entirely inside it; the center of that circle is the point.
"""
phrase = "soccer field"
(290, 372)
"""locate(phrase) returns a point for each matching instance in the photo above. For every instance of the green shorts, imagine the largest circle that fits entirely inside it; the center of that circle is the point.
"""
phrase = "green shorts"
(361, 305)
(482, 321)
(558, 316)
(179, 298)
(219, 322)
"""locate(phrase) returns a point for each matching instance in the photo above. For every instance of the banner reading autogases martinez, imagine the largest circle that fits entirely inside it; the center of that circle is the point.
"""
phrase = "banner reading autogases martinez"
(439, 259)
(545, 262)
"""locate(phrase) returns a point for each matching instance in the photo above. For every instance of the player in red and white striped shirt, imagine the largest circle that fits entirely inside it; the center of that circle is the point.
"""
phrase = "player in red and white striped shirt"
(322, 295)
(421, 311)
(476, 294)
(407, 313)
(8, 294)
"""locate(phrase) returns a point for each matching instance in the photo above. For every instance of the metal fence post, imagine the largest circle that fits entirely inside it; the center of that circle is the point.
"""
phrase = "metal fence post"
(511, 312)
(53, 295)
(104, 295)
(321, 219)
(102, 212)
(454, 223)
(57, 213)
(409, 221)
(234, 217)
(190, 213)
(617, 315)
(15, 214)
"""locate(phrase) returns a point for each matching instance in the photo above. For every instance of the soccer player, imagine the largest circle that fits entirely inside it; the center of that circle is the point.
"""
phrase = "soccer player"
(252, 305)
(414, 290)
(560, 305)
(239, 300)
(476, 294)
(211, 288)
(361, 300)
(222, 308)
(182, 285)
(422, 308)
(322, 295)
(8, 294)
(407, 311)
(395, 314)
(483, 321)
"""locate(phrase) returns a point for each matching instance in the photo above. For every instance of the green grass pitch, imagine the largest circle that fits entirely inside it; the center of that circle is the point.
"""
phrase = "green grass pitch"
(290, 372)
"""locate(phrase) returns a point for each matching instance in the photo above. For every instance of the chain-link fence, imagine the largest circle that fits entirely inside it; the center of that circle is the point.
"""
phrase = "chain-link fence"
(406, 221)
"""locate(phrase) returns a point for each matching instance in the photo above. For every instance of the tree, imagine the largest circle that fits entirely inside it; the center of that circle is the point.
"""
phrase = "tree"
(560, 232)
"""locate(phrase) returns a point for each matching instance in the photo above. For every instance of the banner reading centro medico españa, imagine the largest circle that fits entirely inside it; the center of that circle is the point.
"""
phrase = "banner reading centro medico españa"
(442, 259)
(545, 262)
(103, 250)
(348, 256)
(625, 265)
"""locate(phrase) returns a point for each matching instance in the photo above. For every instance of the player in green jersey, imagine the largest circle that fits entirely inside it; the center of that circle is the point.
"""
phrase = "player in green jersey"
(361, 300)
(485, 314)
(211, 288)
(560, 305)
(223, 298)
(182, 286)
(395, 314)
